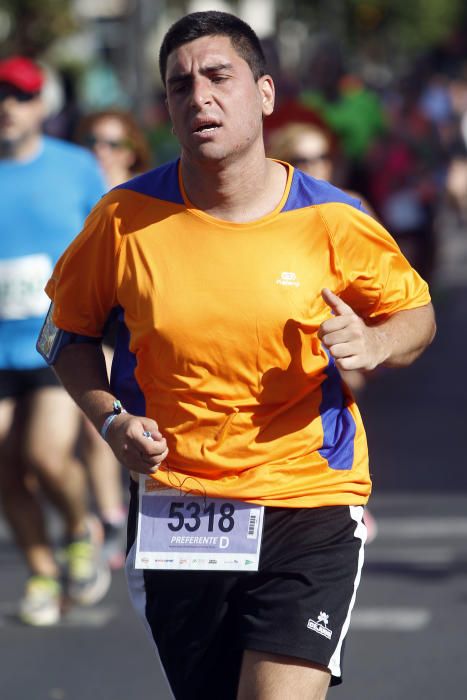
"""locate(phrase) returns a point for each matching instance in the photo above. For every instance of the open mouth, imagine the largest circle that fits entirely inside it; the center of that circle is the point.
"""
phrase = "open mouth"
(206, 128)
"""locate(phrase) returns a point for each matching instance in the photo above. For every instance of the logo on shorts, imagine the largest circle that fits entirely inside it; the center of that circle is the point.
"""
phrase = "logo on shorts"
(320, 625)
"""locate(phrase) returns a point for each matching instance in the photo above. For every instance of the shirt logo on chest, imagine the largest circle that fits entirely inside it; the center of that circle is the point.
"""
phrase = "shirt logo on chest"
(288, 279)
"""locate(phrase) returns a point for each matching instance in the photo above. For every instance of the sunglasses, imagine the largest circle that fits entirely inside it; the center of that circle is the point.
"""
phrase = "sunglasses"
(93, 141)
(8, 91)
(300, 161)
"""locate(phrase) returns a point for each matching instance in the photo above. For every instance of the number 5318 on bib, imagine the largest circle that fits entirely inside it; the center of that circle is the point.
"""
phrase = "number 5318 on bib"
(177, 530)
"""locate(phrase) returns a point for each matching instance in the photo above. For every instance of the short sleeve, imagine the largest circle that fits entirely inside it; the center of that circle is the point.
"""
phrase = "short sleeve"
(84, 282)
(377, 280)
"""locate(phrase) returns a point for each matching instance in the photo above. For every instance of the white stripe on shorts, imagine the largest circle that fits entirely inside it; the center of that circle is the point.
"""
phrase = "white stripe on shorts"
(356, 513)
(137, 592)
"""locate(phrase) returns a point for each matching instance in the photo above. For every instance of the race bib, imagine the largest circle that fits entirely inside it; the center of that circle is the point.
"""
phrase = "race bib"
(177, 530)
(22, 282)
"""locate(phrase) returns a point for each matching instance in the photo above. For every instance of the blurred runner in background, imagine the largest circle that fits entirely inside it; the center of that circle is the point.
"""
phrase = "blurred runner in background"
(118, 143)
(450, 275)
(47, 189)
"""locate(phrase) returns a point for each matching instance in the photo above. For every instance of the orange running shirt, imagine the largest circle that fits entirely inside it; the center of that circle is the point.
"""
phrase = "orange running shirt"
(218, 341)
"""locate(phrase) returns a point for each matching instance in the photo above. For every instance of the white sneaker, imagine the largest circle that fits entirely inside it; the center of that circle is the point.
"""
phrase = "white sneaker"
(41, 604)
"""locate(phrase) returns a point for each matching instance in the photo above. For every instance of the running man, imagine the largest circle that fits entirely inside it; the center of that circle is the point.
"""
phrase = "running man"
(242, 283)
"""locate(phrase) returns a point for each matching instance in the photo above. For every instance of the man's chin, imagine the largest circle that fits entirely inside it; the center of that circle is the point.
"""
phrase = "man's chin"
(208, 154)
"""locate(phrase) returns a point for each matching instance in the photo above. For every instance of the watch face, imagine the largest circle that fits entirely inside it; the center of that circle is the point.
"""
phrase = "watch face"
(48, 336)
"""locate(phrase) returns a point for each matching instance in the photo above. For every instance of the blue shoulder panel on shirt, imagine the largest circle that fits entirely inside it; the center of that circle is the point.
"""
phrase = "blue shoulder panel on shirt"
(306, 191)
(161, 183)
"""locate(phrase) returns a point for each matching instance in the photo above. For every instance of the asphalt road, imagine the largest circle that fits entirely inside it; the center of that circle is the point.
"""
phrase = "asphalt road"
(408, 635)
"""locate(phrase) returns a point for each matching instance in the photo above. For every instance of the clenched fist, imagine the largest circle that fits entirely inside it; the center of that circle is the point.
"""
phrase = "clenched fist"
(352, 343)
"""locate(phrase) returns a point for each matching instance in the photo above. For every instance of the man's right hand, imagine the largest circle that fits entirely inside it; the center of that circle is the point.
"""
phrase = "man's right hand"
(137, 443)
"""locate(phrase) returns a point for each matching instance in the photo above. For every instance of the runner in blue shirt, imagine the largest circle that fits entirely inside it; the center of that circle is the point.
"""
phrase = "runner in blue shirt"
(48, 187)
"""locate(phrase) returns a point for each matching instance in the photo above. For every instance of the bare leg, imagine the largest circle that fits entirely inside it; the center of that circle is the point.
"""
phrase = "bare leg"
(273, 677)
(49, 440)
(18, 494)
(104, 474)
(38, 451)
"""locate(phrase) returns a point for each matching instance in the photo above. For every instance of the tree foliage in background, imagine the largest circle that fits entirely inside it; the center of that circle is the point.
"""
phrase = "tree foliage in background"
(405, 25)
(34, 24)
(413, 25)
(410, 25)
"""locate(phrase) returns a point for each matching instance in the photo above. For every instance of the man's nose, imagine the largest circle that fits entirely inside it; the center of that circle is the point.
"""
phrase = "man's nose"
(201, 92)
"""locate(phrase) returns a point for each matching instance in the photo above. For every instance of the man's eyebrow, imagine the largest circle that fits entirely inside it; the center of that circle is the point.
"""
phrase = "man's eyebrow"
(216, 67)
(179, 77)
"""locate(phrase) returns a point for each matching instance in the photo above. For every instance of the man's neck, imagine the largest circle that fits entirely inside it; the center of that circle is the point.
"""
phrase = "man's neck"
(236, 190)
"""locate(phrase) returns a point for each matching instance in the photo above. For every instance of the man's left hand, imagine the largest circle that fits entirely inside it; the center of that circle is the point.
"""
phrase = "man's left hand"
(352, 343)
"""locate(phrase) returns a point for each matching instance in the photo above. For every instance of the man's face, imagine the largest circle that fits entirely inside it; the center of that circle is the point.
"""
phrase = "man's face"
(214, 102)
(21, 116)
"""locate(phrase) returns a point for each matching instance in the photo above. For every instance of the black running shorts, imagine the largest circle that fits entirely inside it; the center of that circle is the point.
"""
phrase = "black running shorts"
(16, 383)
(298, 604)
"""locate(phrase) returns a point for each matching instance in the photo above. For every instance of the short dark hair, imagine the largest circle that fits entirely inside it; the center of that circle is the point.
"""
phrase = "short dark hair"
(213, 23)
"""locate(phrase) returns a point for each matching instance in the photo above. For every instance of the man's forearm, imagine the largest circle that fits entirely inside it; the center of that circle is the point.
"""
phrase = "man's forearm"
(404, 336)
(82, 371)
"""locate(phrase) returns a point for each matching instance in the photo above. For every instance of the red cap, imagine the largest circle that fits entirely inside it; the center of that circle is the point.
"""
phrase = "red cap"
(21, 72)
